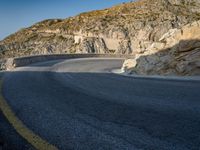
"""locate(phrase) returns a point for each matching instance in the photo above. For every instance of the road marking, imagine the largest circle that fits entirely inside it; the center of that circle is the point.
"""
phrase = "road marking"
(32, 138)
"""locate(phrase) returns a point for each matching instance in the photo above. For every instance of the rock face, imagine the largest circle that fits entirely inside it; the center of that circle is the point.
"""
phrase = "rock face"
(177, 53)
(129, 28)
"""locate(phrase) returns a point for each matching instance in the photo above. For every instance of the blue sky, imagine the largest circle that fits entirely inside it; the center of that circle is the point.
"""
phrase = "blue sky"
(17, 14)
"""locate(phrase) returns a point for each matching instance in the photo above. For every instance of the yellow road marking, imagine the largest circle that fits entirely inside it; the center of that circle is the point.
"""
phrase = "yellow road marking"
(35, 140)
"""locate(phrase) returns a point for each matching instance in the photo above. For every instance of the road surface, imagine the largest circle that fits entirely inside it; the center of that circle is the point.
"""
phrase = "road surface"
(79, 104)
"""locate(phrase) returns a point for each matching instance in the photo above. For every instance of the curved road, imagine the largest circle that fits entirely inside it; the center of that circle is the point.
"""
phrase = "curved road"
(79, 104)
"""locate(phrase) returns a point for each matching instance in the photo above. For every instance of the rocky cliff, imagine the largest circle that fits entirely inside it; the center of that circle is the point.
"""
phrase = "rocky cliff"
(131, 28)
(176, 53)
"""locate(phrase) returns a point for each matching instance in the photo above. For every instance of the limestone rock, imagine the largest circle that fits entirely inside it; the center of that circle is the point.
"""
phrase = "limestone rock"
(129, 65)
(178, 53)
(9, 64)
(129, 28)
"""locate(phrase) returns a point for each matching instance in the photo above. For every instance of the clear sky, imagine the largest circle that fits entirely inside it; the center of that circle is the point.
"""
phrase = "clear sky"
(17, 14)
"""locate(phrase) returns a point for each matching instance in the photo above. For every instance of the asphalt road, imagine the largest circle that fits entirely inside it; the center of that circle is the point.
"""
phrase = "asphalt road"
(79, 104)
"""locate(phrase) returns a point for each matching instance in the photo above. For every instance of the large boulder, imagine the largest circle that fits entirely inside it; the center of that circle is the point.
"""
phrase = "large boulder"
(129, 65)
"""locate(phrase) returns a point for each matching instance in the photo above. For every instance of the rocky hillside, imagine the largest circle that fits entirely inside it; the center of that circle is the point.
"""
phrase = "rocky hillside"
(176, 53)
(127, 28)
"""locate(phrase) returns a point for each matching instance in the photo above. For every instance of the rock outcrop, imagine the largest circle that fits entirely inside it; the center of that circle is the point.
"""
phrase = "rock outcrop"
(177, 53)
(126, 29)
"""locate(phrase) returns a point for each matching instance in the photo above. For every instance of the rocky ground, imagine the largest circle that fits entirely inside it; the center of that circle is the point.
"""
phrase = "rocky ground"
(140, 28)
